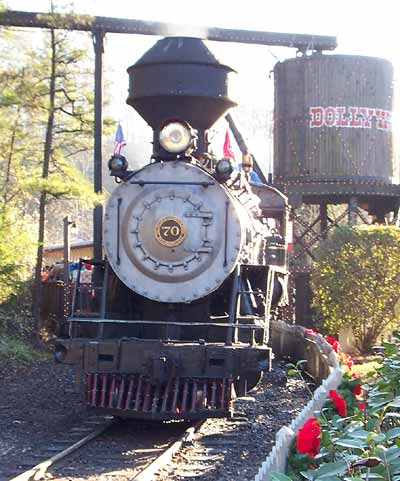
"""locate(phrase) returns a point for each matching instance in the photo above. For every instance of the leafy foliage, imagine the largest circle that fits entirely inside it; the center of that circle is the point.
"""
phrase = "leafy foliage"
(366, 443)
(355, 281)
(15, 351)
(16, 252)
(46, 126)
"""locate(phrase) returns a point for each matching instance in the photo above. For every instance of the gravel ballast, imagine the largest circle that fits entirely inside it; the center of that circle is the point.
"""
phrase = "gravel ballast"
(38, 404)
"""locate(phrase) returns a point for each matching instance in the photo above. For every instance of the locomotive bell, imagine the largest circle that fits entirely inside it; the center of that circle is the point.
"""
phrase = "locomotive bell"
(180, 78)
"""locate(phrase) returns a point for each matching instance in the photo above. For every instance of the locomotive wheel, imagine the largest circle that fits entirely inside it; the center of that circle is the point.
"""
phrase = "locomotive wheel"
(246, 382)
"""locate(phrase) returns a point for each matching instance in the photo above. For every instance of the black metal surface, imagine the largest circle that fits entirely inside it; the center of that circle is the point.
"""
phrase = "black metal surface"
(98, 43)
(194, 86)
(119, 25)
(226, 233)
(232, 304)
(118, 229)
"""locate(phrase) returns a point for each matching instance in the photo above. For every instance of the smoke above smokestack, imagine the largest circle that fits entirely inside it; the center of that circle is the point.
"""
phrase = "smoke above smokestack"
(194, 31)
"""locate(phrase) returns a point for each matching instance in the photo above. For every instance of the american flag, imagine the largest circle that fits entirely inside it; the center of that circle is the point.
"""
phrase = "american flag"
(119, 140)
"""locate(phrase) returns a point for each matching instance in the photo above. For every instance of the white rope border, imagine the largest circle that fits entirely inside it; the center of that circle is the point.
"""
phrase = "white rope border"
(277, 459)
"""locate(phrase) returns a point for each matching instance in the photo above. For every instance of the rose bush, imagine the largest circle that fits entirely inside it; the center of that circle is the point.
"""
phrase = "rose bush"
(356, 436)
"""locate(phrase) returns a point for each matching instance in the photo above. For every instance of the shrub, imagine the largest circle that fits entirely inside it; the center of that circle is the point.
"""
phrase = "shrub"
(355, 281)
(363, 442)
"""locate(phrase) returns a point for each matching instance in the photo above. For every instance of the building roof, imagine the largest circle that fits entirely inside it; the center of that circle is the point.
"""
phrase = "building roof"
(74, 245)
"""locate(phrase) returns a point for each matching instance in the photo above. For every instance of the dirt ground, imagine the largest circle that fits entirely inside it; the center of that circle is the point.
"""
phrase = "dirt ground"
(36, 403)
(39, 403)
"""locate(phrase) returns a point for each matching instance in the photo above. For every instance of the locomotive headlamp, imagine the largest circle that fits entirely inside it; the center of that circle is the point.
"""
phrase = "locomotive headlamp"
(224, 168)
(117, 163)
(175, 137)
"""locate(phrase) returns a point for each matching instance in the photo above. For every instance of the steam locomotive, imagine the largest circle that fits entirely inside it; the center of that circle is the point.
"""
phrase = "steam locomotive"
(177, 321)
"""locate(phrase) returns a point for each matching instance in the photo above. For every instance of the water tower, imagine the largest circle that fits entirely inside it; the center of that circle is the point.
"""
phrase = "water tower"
(333, 145)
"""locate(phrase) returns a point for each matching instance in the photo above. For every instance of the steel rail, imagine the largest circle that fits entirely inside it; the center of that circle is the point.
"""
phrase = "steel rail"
(148, 473)
(39, 471)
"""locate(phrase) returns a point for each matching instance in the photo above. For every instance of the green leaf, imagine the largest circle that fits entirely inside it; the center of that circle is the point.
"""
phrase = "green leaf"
(393, 433)
(330, 469)
(359, 434)
(395, 403)
(378, 402)
(292, 372)
(351, 443)
(308, 474)
(330, 478)
(392, 454)
(394, 468)
(378, 438)
(392, 415)
(372, 424)
(275, 476)
(379, 393)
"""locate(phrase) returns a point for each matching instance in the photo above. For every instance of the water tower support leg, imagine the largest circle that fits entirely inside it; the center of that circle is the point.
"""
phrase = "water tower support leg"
(323, 213)
(353, 210)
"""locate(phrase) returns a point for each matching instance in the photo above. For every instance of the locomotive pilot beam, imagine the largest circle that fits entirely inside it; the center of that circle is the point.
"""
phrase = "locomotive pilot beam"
(195, 258)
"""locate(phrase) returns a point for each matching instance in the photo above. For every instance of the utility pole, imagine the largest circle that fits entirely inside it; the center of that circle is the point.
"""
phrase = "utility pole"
(67, 255)
(98, 44)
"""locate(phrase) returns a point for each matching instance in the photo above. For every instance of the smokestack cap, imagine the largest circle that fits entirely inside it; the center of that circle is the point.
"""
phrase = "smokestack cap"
(180, 78)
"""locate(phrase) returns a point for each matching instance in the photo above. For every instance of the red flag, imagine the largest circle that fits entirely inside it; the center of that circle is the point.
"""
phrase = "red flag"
(228, 152)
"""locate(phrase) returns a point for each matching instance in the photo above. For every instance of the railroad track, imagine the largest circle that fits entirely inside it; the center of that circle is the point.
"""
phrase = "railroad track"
(205, 458)
(142, 451)
(58, 449)
(137, 463)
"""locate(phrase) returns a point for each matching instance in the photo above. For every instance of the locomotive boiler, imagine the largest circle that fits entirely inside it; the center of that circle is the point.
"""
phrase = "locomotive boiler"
(177, 320)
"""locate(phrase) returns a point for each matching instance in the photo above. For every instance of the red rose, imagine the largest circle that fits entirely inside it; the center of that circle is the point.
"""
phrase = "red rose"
(344, 359)
(339, 402)
(348, 361)
(357, 389)
(362, 406)
(308, 437)
(334, 343)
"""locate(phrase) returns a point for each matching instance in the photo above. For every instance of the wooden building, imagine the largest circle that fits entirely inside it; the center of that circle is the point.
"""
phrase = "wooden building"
(80, 249)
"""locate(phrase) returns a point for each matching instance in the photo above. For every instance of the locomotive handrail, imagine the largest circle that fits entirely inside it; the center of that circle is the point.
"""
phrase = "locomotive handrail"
(165, 323)
(167, 182)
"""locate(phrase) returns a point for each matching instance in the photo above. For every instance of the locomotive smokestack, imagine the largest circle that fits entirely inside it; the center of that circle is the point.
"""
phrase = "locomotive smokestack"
(180, 78)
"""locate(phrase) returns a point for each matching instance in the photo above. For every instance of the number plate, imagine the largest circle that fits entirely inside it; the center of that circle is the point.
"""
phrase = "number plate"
(170, 231)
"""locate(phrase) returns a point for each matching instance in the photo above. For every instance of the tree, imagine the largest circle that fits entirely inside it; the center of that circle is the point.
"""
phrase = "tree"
(46, 126)
(18, 154)
(355, 281)
(16, 252)
(62, 97)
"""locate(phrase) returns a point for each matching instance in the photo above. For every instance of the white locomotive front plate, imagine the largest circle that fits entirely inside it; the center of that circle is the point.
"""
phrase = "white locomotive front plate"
(172, 233)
